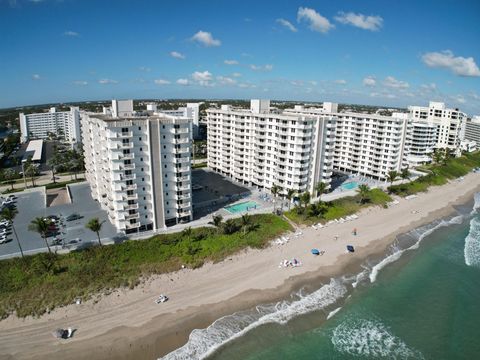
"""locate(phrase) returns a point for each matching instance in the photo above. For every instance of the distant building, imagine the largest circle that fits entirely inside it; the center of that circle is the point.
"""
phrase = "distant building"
(450, 123)
(65, 124)
(472, 130)
(138, 167)
(190, 111)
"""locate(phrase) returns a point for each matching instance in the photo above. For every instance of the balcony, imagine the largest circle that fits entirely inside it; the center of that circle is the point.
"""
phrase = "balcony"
(182, 187)
(125, 146)
(184, 160)
(180, 131)
(183, 196)
(184, 213)
(129, 177)
(183, 178)
(132, 216)
(183, 205)
(124, 135)
(129, 187)
(130, 207)
(132, 226)
(132, 197)
(129, 166)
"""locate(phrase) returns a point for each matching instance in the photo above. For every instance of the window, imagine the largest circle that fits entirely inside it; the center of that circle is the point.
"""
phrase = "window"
(141, 149)
(143, 189)
(139, 128)
(145, 207)
(141, 169)
(143, 179)
(164, 147)
(139, 139)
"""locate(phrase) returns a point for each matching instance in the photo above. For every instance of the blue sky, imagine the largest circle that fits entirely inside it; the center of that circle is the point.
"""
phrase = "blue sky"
(384, 52)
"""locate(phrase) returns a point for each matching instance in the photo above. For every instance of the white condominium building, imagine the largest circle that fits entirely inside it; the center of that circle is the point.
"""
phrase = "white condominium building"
(65, 124)
(472, 130)
(366, 144)
(138, 168)
(421, 141)
(450, 123)
(264, 149)
(191, 110)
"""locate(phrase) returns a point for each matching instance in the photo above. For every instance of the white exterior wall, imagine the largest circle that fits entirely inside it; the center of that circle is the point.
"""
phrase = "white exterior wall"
(472, 130)
(422, 140)
(290, 151)
(450, 122)
(139, 169)
(366, 144)
(39, 125)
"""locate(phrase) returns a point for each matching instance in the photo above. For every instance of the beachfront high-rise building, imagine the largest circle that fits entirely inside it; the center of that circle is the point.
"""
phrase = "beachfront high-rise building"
(138, 168)
(365, 144)
(190, 110)
(65, 124)
(421, 142)
(472, 130)
(450, 123)
(261, 148)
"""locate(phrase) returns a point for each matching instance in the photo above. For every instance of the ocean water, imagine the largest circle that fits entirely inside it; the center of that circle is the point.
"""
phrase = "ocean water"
(419, 301)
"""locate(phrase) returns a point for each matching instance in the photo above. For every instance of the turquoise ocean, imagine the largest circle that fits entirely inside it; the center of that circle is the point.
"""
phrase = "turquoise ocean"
(419, 301)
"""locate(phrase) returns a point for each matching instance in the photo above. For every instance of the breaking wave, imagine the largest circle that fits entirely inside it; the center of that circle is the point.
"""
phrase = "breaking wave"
(203, 342)
(370, 338)
(472, 244)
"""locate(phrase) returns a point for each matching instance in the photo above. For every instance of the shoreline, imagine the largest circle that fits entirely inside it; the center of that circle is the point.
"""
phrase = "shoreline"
(128, 325)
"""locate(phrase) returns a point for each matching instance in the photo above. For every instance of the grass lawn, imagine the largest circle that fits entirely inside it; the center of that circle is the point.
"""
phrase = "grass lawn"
(38, 283)
(200, 165)
(340, 208)
(439, 174)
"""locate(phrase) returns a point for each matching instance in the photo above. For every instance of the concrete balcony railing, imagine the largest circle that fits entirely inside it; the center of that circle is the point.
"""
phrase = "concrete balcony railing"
(131, 207)
(125, 146)
(131, 197)
(129, 187)
(132, 216)
(129, 166)
(182, 187)
(183, 196)
(129, 177)
(124, 135)
(184, 205)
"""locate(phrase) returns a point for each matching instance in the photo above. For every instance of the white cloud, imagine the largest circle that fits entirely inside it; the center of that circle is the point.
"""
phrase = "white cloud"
(296, 82)
(161, 82)
(246, 85)
(230, 62)
(391, 82)
(460, 99)
(317, 21)
(36, 77)
(183, 82)
(313, 82)
(236, 74)
(267, 67)
(71, 33)
(224, 80)
(177, 55)
(341, 82)
(372, 23)
(369, 81)
(144, 68)
(203, 78)
(429, 87)
(458, 65)
(287, 24)
(206, 39)
(107, 81)
(383, 95)
(80, 82)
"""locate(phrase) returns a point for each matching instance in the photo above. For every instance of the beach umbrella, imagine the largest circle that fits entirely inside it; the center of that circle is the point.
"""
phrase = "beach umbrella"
(315, 252)
(350, 248)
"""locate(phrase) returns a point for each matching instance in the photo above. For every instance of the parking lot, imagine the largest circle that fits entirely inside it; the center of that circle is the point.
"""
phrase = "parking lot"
(31, 204)
(211, 191)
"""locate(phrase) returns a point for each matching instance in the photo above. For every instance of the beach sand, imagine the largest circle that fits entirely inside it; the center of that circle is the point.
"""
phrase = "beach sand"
(127, 324)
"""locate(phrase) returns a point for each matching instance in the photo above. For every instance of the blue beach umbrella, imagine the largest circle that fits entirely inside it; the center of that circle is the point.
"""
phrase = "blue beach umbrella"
(315, 252)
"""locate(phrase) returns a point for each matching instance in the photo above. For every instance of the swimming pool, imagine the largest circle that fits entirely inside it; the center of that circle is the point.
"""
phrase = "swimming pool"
(245, 206)
(350, 185)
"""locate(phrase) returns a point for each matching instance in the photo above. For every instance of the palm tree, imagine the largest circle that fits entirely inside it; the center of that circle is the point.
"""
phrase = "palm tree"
(96, 225)
(246, 222)
(41, 225)
(447, 155)
(54, 162)
(364, 192)
(216, 221)
(289, 196)
(405, 173)
(187, 232)
(31, 170)
(275, 189)
(320, 188)
(305, 199)
(316, 209)
(437, 156)
(9, 214)
(10, 175)
(392, 176)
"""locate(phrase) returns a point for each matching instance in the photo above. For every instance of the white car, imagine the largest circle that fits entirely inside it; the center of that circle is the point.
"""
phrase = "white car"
(8, 201)
(5, 223)
(3, 239)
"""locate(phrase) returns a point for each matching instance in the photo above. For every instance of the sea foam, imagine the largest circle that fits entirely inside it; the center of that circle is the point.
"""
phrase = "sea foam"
(420, 234)
(372, 339)
(203, 342)
(472, 244)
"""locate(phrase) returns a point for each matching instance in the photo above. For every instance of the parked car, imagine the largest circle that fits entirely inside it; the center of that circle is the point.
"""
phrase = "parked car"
(3, 239)
(4, 223)
(73, 217)
(11, 196)
(8, 201)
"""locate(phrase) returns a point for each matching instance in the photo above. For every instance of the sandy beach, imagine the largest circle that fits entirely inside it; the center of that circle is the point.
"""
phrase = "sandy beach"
(127, 324)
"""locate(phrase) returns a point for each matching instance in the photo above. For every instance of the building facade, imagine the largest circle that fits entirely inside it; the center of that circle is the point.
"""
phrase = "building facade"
(450, 123)
(139, 169)
(65, 124)
(191, 111)
(365, 144)
(264, 149)
(472, 130)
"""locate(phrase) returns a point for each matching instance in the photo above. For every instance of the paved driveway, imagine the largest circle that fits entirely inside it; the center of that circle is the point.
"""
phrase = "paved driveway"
(31, 204)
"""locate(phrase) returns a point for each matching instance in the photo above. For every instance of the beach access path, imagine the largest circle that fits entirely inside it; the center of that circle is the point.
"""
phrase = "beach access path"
(127, 324)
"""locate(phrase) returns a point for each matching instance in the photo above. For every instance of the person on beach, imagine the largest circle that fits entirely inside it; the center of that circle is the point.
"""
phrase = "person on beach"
(354, 232)
(335, 238)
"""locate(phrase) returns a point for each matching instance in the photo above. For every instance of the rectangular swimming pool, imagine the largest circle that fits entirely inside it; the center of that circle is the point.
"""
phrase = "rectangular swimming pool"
(245, 206)
(350, 185)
